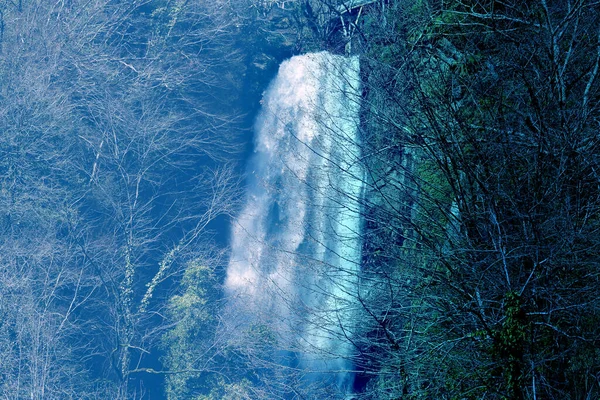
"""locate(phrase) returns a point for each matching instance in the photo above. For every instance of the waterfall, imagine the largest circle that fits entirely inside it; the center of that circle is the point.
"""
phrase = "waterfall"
(296, 243)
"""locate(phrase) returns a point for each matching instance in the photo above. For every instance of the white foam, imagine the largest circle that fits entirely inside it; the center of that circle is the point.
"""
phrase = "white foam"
(301, 268)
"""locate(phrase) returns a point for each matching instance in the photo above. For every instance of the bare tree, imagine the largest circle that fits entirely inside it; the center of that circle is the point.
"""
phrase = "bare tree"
(114, 167)
(483, 175)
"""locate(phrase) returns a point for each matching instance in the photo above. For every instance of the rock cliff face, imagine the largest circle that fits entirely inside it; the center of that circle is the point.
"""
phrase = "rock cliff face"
(279, 29)
(268, 34)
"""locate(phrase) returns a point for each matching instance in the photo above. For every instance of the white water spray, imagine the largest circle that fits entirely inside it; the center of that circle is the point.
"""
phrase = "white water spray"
(296, 243)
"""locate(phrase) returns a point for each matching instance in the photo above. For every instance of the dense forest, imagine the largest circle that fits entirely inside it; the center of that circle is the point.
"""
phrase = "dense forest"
(124, 127)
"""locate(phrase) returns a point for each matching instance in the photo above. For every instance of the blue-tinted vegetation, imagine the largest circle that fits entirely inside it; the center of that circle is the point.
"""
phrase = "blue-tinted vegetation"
(299, 199)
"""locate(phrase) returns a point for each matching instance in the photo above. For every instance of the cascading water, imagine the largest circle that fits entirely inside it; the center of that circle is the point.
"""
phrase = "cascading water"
(296, 243)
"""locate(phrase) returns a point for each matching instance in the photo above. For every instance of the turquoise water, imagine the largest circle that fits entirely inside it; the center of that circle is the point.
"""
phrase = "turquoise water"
(296, 243)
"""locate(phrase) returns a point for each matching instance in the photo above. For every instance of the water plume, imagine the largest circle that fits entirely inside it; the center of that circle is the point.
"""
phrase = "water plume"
(296, 243)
